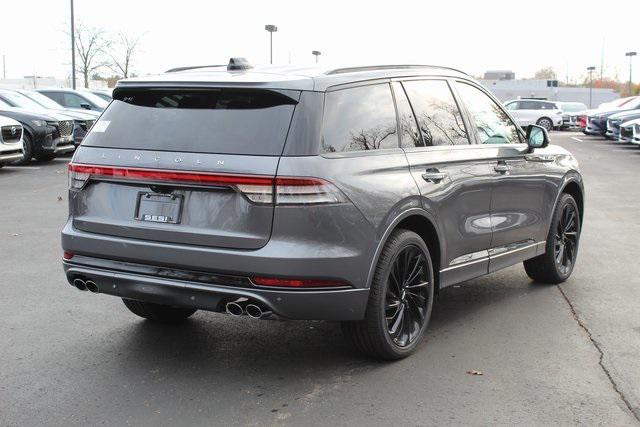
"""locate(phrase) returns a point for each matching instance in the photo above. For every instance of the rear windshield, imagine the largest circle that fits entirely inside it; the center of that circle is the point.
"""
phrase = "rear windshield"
(224, 121)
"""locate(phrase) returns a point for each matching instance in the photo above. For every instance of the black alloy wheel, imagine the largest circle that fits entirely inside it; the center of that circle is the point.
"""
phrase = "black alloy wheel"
(566, 239)
(407, 297)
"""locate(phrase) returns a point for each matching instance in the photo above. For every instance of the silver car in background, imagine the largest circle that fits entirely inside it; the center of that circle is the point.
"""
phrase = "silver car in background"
(535, 112)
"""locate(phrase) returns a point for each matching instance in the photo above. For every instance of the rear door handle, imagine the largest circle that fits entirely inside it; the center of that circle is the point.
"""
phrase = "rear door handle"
(433, 175)
(502, 168)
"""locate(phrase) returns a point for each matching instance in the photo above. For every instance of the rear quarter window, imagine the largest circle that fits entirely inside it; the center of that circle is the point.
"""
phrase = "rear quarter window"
(216, 120)
(359, 119)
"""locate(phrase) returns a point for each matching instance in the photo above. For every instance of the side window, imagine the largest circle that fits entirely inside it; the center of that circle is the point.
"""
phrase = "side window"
(437, 113)
(529, 105)
(72, 100)
(409, 133)
(359, 118)
(492, 123)
(57, 97)
(512, 106)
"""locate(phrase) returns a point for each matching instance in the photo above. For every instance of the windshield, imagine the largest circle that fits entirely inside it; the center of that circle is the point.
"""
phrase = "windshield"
(45, 101)
(96, 100)
(19, 100)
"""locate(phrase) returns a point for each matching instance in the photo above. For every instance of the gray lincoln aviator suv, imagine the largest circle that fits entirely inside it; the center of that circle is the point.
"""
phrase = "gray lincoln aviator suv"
(350, 194)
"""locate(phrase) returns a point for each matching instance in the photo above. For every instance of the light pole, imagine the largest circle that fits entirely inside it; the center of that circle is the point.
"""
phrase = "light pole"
(271, 29)
(73, 50)
(316, 53)
(591, 70)
(630, 55)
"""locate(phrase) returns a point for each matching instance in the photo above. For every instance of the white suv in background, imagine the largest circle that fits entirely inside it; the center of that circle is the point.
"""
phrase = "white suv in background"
(10, 141)
(535, 112)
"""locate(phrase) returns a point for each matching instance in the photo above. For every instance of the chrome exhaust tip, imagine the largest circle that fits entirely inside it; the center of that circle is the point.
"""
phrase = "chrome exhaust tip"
(91, 286)
(254, 311)
(234, 309)
(80, 284)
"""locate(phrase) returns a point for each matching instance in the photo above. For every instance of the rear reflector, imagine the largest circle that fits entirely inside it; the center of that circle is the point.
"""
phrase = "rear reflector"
(257, 188)
(67, 255)
(296, 283)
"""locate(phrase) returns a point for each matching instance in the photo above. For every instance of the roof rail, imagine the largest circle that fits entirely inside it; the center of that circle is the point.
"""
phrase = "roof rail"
(193, 67)
(387, 67)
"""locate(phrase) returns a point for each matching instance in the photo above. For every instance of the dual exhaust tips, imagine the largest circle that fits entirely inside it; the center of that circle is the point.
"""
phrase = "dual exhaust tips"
(242, 306)
(87, 285)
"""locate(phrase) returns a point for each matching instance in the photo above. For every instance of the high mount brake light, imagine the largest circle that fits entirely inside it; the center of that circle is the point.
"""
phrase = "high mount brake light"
(258, 189)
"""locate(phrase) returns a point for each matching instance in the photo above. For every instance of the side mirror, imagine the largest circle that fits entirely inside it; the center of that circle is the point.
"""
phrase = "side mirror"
(537, 137)
(86, 106)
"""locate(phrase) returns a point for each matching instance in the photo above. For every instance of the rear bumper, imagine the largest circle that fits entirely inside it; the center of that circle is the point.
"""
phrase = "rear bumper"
(192, 292)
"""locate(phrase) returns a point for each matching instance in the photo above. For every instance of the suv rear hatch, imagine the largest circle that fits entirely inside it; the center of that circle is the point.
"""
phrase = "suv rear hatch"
(181, 165)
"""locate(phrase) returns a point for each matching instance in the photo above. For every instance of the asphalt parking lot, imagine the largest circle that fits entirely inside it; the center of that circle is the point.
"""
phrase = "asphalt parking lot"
(547, 354)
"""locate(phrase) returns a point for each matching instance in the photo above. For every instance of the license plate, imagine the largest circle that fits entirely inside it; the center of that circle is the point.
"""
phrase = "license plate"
(164, 208)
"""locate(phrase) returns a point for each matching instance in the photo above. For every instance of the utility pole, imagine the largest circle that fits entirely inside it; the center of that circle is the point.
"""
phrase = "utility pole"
(630, 55)
(271, 29)
(73, 50)
(591, 70)
(316, 53)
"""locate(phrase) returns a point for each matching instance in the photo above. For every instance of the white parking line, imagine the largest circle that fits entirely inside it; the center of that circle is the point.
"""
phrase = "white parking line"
(576, 139)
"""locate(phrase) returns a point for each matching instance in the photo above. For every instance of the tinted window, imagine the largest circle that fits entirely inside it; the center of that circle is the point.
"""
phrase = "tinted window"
(409, 133)
(438, 116)
(529, 105)
(225, 121)
(360, 118)
(57, 97)
(72, 100)
(492, 123)
(547, 106)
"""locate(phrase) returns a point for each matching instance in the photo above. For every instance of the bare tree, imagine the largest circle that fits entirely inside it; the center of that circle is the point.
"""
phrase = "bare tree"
(91, 45)
(124, 49)
(547, 73)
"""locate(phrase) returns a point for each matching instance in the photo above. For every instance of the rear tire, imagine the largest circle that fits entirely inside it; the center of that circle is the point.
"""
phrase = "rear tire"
(400, 300)
(27, 145)
(556, 264)
(158, 312)
(545, 122)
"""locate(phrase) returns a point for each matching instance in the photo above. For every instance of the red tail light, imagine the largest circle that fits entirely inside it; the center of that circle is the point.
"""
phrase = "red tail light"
(296, 283)
(67, 255)
(257, 188)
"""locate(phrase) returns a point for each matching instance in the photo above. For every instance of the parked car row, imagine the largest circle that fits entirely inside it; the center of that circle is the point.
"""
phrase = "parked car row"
(617, 121)
(49, 122)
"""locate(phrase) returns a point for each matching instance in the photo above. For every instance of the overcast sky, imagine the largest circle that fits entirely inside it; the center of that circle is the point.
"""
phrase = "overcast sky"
(522, 36)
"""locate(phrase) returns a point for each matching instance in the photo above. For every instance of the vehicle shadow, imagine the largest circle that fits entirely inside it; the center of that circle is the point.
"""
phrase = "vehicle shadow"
(242, 345)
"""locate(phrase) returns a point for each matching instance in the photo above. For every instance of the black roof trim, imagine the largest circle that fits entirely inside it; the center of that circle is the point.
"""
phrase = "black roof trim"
(387, 67)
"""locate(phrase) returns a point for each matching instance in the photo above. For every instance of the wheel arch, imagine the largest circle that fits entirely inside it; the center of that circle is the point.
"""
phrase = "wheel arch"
(423, 224)
(576, 191)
